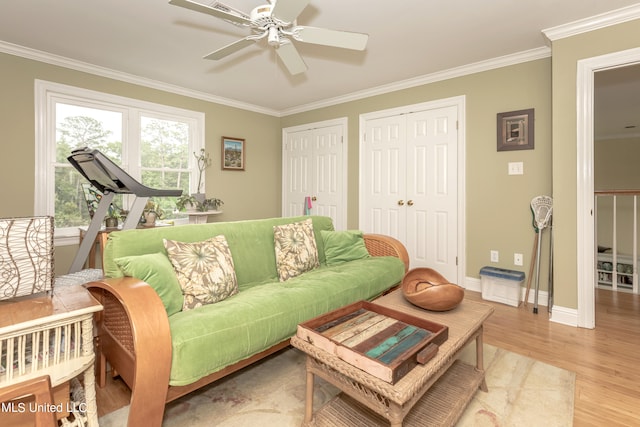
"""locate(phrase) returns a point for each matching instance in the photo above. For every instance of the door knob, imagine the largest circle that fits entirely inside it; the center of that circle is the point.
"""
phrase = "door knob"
(314, 198)
(410, 202)
(400, 202)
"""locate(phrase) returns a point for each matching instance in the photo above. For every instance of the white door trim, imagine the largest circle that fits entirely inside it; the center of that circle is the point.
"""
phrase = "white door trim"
(586, 251)
(460, 103)
(342, 121)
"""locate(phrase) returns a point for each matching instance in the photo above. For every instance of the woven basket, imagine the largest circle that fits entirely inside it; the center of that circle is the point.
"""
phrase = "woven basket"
(428, 289)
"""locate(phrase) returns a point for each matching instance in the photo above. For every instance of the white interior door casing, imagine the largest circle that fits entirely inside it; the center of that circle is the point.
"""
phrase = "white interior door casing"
(314, 166)
(410, 186)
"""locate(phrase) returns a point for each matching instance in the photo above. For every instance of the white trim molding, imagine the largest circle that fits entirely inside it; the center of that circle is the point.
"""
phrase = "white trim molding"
(586, 251)
(562, 315)
(72, 64)
(592, 23)
(465, 70)
(48, 58)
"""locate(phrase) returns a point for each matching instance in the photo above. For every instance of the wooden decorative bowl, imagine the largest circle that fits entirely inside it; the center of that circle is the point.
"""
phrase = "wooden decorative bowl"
(427, 289)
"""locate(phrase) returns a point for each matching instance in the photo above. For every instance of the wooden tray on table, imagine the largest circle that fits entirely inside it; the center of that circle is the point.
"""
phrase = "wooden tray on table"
(383, 342)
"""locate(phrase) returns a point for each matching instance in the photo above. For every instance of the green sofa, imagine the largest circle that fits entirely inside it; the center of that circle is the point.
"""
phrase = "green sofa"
(162, 352)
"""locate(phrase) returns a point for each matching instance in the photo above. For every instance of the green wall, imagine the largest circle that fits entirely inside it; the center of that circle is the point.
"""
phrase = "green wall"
(497, 205)
(566, 54)
(497, 211)
(243, 198)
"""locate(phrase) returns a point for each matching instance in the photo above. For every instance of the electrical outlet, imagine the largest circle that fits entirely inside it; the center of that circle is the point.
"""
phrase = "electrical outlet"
(495, 256)
(517, 259)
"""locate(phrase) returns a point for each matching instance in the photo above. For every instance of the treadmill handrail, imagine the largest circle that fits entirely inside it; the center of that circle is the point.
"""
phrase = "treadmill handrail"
(106, 176)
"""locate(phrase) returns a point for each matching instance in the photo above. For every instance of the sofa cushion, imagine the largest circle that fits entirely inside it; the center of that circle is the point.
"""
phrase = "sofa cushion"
(295, 248)
(251, 243)
(204, 269)
(217, 335)
(343, 246)
(157, 271)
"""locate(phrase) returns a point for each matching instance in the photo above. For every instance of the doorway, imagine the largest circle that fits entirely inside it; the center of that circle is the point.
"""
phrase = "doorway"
(586, 263)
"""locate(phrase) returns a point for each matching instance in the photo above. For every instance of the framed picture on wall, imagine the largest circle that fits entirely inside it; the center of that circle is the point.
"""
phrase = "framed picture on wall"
(515, 130)
(233, 153)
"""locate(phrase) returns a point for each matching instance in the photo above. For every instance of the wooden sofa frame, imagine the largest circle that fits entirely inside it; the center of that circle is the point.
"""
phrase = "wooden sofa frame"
(133, 336)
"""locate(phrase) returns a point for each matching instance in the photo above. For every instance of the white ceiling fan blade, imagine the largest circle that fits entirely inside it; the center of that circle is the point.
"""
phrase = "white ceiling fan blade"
(323, 36)
(230, 48)
(216, 9)
(288, 10)
(290, 57)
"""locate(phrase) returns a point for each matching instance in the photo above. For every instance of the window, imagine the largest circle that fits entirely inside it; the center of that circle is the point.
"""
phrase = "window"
(153, 143)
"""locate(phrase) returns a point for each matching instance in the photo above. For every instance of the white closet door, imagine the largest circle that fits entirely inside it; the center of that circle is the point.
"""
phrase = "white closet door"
(432, 190)
(327, 173)
(384, 177)
(409, 185)
(297, 172)
(314, 166)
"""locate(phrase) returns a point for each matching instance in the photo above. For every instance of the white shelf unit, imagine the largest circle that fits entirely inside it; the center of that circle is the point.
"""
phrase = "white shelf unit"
(619, 276)
(51, 335)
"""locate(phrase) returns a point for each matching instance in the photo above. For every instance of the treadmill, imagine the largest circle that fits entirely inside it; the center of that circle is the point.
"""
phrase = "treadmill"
(110, 179)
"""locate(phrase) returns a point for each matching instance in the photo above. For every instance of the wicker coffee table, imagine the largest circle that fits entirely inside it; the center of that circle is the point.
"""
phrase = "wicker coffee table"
(433, 394)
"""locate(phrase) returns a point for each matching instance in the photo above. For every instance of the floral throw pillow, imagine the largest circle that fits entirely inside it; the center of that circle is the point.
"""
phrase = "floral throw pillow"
(296, 250)
(205, 270)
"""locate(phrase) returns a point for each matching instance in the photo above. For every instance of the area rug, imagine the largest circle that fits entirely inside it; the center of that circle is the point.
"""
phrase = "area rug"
(522, 392)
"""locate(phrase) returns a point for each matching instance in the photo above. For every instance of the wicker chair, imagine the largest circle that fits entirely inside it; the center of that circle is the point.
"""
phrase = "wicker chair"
(40, 388)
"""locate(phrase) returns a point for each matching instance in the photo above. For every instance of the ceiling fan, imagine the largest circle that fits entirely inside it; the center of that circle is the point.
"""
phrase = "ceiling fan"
(276, 22)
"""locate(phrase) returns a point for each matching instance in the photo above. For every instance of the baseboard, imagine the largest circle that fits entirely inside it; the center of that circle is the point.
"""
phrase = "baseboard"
(563, 315)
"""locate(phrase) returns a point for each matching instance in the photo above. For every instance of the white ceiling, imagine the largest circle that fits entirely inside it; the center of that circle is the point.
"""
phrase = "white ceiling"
(408, 39)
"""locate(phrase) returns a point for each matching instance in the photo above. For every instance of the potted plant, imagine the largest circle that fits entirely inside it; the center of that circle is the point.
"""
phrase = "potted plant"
(188, 203)
(213, 204)
(113, 215)
(152, 211)
(203, 161)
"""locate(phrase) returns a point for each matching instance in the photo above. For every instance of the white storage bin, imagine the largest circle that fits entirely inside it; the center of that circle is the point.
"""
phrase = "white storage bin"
(501, 285)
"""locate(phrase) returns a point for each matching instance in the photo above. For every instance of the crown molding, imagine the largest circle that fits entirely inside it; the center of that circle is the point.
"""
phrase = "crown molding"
(503, 61)
(477, 67)
(85, 67)
(592, 23)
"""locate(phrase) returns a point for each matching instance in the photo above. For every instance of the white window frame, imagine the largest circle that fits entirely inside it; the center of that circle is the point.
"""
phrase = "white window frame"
(47, 94)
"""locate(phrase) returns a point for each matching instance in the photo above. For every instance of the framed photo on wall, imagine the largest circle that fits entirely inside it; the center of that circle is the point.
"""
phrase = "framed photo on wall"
(233, 153)
(515, 130)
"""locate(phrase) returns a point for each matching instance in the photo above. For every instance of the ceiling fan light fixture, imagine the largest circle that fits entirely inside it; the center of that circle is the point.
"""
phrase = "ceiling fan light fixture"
(273, 38)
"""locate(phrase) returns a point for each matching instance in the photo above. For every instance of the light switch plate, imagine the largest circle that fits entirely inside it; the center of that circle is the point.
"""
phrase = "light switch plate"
(516, 168)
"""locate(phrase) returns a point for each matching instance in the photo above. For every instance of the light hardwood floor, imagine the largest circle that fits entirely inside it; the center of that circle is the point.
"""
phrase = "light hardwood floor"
(606, 359)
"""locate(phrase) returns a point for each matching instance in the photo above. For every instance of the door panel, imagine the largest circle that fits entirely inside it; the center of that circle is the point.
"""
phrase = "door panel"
(442, 191)
(409, 185)
(327, 172)
(298, 171)
(384, 183)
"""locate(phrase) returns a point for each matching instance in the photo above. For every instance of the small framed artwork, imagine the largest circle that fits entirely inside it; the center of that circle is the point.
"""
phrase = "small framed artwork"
(233, 153)
(515, 130)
